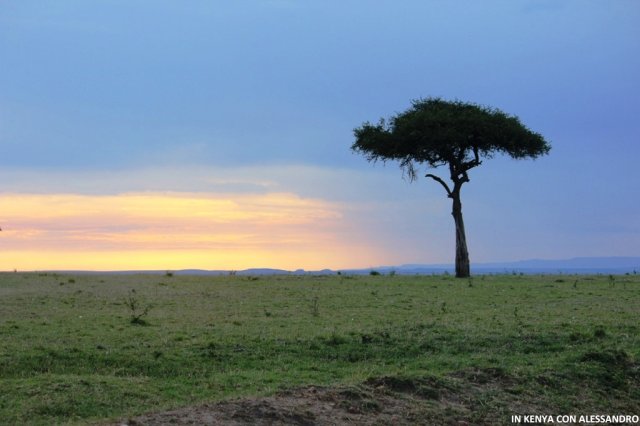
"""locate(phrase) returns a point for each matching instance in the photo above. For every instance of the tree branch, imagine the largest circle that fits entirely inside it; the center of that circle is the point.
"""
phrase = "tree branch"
(473, 163)
(441, 182)
(465, 177)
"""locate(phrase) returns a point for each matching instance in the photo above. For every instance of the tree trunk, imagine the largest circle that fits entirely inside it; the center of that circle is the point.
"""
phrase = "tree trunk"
(462, 255)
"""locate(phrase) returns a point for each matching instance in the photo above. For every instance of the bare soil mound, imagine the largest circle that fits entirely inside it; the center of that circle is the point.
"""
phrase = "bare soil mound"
(466, 398)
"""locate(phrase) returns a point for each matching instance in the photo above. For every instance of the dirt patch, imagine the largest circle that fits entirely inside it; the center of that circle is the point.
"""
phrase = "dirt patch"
(464, 398)
(310, 405)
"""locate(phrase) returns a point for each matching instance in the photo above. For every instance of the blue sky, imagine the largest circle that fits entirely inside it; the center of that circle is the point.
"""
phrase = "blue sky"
(260, 97)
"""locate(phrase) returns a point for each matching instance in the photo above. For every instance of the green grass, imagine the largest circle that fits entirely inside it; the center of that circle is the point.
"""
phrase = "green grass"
(69, 352)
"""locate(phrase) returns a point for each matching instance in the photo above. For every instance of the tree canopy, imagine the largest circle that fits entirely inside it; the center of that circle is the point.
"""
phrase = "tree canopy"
(437, 132)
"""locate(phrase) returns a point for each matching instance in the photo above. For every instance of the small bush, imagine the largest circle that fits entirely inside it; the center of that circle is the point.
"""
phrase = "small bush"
(136, 308)
(374, 273)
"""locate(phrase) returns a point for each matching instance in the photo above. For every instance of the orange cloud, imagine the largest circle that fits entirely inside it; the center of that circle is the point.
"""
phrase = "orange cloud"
(174, 231)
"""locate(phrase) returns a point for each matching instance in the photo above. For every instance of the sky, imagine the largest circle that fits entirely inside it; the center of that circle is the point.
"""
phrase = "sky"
(216, 135)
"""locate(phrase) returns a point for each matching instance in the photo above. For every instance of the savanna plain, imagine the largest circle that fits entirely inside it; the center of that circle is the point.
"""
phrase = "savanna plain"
(100, 349)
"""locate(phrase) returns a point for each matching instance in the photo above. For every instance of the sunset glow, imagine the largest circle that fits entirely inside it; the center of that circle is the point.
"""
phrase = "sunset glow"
(173, 231)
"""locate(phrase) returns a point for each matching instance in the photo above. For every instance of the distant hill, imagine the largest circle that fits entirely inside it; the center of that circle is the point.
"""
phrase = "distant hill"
(576, 265)
(585, 264)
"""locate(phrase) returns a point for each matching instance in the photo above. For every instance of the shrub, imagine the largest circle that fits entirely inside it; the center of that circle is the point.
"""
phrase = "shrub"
(136, 308)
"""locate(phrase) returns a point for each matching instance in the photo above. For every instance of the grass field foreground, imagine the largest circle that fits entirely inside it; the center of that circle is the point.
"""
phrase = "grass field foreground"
(72, 350)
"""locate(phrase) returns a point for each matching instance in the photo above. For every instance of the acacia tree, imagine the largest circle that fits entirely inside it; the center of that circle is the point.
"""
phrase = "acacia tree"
(435, 132)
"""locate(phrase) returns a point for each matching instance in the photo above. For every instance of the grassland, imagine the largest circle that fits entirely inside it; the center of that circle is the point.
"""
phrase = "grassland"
(69, 352)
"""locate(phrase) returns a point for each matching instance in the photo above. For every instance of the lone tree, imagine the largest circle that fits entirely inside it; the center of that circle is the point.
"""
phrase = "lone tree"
(435, 132)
